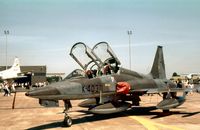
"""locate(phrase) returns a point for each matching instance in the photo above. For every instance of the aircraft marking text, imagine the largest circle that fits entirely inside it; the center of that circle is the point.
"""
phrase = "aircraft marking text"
(91, 88)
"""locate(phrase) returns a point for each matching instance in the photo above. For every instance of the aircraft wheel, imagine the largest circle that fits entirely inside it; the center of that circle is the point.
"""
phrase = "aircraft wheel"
(166, 111)
(67, 121)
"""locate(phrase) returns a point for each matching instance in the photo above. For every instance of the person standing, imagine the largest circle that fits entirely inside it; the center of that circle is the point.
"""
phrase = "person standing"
(5, 88)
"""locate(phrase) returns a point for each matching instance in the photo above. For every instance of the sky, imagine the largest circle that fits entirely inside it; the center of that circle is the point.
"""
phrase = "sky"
(42, 32)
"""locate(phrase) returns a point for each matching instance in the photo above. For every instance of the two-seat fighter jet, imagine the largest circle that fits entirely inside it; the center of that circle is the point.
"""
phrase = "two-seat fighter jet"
(116, 91)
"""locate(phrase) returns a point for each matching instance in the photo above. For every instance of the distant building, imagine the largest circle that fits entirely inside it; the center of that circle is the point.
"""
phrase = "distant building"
(35, 74)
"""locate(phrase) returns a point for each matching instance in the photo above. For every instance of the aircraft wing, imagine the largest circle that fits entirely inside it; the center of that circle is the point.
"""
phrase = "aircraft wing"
(17, 77)
(160, 90)
(153, 91)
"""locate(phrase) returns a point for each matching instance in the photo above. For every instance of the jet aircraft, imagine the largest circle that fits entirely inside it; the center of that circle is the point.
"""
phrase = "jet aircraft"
(12, 73)
(115, 91)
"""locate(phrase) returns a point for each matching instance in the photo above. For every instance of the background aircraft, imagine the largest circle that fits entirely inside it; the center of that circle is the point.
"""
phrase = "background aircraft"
(12, 73)
(115, 92)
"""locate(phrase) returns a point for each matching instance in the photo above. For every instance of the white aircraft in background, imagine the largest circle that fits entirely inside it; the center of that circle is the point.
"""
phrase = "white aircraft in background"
(12, 73)
(191, 75)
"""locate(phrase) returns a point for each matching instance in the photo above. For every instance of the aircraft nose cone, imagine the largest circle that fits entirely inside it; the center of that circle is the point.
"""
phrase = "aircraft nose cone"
(57, 91)
(43, 92)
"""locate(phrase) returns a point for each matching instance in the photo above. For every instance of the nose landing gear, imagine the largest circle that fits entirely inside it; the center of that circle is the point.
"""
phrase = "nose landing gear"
(67, 119)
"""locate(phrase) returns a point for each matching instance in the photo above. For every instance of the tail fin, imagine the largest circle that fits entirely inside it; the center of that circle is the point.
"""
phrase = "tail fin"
(158, 68)
(15, 67)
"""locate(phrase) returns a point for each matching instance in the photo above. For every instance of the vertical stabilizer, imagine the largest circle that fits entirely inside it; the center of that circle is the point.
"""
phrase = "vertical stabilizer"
(158, 68)
(15, 67)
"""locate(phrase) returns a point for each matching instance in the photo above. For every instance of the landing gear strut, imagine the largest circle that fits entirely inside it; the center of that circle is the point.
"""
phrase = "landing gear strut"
(67, 119)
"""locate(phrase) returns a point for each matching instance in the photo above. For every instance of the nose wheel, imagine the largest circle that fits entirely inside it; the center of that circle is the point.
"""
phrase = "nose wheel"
(67, 119)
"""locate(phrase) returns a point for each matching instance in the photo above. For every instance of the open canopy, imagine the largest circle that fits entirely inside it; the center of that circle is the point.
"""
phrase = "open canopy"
(84, 56)
(96, 58)
(105, 53)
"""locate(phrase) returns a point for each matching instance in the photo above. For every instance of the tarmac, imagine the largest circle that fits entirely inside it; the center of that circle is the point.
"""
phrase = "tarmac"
(28, 114)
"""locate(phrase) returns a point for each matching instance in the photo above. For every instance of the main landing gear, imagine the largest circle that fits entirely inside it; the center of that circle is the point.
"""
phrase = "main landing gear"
(67, 119)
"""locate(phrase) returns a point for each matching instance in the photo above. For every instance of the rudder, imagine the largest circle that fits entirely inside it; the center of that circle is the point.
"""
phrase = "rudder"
(158, 68)
(16, 67)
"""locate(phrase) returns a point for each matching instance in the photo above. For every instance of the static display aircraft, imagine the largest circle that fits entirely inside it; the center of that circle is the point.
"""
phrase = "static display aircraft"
(12, 73)
(112, 89)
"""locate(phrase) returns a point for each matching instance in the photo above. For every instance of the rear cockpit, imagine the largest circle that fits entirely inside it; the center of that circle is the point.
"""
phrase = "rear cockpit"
(105, 53)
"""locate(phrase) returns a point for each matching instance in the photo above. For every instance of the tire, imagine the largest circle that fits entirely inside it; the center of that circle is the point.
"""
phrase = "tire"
(67, 121)
(166, 111)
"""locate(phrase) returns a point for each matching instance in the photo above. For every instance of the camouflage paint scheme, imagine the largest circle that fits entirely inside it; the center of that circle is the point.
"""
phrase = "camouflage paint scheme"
(101, 92)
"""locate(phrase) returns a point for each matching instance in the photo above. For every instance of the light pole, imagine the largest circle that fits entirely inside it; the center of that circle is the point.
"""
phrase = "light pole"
(6, 32)
(129, 36)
